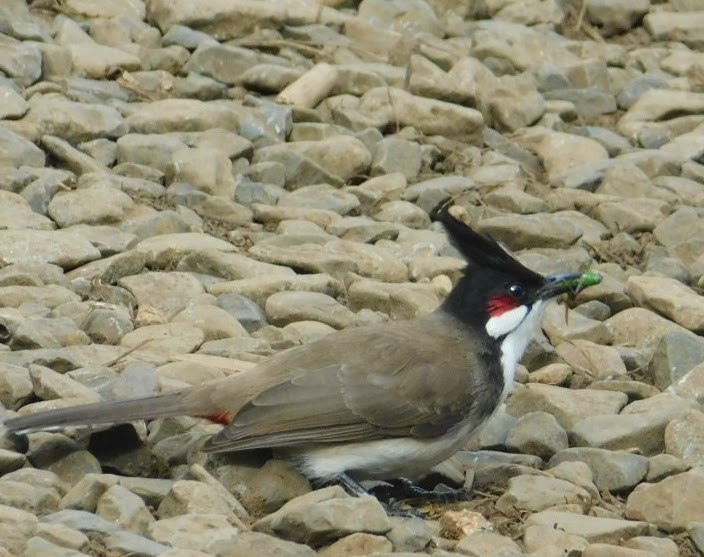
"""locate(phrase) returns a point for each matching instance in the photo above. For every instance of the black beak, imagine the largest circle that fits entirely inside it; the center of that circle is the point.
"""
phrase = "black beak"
(561, 283)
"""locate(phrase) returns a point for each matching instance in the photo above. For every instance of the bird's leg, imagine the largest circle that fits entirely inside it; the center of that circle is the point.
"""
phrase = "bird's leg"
(441, 493)
(353, 487)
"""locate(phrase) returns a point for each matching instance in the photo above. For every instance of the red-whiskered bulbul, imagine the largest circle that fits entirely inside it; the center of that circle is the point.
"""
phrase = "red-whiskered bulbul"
(376, 402)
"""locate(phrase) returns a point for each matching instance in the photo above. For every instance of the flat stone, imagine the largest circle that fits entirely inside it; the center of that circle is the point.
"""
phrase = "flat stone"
(429, 116)
(536, 493)
(260, 288)
(161, 295)
(96, 205)
(325, 515)
(171, 115)
(400, 301)
(39, 246)
(591, 528)
(193, 531)
(284, 308)
(537, 433)
(16, 213)
(75, 121)
(336, 258)
(342, 156)
(163, 250)
(639, 327)
(670, 504)
(532, 231)
(120, 505)
(567, 405)
(677, 353)
(614, 471)
(684, 438)
(670, 298)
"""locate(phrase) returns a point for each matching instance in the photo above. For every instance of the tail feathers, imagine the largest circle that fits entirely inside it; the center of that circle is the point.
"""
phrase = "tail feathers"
(102, 413)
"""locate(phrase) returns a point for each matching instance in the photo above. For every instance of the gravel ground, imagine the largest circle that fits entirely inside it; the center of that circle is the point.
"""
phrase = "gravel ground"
(190, 186)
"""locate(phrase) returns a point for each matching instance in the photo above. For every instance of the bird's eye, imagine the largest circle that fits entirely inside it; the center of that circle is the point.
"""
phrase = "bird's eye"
(516, 290)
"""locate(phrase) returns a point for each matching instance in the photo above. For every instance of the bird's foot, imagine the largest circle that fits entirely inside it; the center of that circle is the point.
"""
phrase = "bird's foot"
(391, 506)
(441, 493)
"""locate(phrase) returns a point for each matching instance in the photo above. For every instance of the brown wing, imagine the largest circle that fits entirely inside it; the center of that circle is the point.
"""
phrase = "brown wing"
(363, 384)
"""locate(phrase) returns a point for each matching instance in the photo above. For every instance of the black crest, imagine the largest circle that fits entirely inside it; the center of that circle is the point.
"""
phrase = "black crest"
(481, 249)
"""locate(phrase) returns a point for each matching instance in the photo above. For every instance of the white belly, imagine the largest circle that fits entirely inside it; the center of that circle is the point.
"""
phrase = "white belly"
(380, 459)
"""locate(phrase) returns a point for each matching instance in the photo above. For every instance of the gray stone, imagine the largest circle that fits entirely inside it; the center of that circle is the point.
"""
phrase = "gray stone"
(193, 531)
(677, 353)
(531, 231)
(123, 507)
(670, 298)
(283, 308)
(670, 504)
(641, 424)
(409, 534)
(536, 493)
(684, 437)
(567, 405)
(537, 433)
(481, 543)
(593, 529)
(615, 471)
(324, 516)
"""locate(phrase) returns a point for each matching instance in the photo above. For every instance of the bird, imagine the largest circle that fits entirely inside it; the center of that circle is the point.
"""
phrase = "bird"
(376, 402)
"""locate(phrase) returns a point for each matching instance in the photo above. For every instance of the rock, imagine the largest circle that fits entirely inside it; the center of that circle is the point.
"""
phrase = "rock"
(592, 360)
(539, 537)
(99, 205)
(537, 433)
(403, 213)
(691, 386)
(193, 497)
(670, 298)
(124, 508)
(396, 155)
(670, 504)
(274, 484)
(193, 531)
(341, 156)
(161, 296)
(325, 515)
(357, 544)
(127, 543)
(591, 528)
(536, 493)
(641, 424)
(677, 353)
(615, 18)
(568, 406)
(560, 152)
(657, 546)
(399, 301)
(409, 534)
(18, 151)
(254, 543)
(531, 231)
(639, 327)
(684, 438)
(335, 257)
(429, 116)
(684, 26)
(486, 543)
(613, 470)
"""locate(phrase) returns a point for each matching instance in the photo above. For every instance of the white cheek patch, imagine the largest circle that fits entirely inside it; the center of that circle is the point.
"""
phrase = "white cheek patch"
(503, 324)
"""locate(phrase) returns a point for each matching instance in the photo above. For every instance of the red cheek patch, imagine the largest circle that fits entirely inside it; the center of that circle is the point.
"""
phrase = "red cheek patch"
(220, 418)
(499, 305)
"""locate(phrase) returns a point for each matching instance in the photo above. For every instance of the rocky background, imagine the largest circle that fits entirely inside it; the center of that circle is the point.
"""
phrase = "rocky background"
(189, 186)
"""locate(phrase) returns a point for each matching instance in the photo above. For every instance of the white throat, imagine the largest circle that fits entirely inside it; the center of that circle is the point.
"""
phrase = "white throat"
(518, 326)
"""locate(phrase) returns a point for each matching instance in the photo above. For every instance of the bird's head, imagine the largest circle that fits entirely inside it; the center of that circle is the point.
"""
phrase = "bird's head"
(498, 292)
